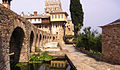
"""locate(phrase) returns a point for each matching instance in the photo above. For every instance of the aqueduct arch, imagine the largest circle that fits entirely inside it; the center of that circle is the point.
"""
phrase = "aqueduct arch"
(15, 44)
(31, 40)
(18, 38)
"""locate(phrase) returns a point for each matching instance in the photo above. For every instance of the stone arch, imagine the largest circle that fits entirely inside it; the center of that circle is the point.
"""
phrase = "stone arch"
(40, 38)
(36, 40)
(43, 37)
(50, 37)
(31, 40)
(16, 44)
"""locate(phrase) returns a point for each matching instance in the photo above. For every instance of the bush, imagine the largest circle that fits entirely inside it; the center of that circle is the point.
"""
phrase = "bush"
(39, 58)
(89, 40)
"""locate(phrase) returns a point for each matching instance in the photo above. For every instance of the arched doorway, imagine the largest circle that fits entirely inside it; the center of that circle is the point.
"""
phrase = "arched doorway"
(31, 40)
(15, 44)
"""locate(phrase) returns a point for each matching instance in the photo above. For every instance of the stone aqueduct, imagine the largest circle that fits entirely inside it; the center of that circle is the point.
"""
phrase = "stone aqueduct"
(19, 37)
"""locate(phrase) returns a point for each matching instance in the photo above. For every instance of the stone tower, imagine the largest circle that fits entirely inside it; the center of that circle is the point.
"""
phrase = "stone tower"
(6, 3)
(52, 6)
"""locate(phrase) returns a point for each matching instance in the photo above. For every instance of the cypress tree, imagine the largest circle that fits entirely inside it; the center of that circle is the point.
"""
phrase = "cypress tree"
(76, 15)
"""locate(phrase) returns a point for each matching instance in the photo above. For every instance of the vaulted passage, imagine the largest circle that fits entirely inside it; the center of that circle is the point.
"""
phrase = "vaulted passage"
(31, 40)
(15, 44)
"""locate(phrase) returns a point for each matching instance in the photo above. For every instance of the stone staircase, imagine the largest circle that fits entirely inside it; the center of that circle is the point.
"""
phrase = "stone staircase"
(51, 46)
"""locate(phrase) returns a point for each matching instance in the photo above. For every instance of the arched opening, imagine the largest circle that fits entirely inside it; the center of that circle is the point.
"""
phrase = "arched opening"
(53, 38)
(43, 37)
(31, 40)
(15, 44)
(40, 39)
(36, 42)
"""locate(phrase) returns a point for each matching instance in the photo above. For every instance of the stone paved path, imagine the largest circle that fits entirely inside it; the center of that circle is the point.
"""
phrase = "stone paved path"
(83, 62)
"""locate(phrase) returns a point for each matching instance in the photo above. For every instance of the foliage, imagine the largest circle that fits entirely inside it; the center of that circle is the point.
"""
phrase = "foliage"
(89, 41)
(77, 15)
(21, 64)
(39, 58)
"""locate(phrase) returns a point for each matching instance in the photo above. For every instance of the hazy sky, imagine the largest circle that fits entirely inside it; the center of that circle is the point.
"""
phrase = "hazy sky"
(96, 12)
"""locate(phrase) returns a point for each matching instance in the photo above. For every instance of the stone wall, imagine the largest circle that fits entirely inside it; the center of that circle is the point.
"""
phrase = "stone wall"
(111, 43)
(69, 28)
(12, 27)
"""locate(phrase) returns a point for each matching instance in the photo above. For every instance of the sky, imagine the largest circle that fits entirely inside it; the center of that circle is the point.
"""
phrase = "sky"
(96, 12)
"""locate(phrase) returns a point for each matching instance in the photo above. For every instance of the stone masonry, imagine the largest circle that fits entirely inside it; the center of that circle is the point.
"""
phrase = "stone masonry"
(111, 42)
(17, 35)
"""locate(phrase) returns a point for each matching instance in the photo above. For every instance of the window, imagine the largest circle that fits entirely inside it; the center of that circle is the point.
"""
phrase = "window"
(52, 16)
(55, 16)
(62, 15)
(35, 19)
(39, 26)
(45, 26)
(38, 19)
(58, 16)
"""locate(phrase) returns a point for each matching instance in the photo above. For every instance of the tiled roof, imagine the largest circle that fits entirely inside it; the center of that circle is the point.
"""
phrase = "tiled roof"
(38, 16)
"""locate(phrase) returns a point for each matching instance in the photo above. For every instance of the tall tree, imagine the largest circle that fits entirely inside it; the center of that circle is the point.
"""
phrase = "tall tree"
(77, 15)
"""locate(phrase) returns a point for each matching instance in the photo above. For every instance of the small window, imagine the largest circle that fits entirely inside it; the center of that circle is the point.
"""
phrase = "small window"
(52, 16)
(58, 16)
(39, 26)
(35, 19)
(38, 19)
(55, 16)
(62, 15)
(45, 26)
(55, 64)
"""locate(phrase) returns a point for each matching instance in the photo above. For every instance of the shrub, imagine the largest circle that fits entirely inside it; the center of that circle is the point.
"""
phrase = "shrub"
(89, 40)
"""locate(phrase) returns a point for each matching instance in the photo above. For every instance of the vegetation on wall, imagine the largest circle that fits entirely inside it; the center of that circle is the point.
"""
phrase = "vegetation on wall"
(77, 15)
(89, 40)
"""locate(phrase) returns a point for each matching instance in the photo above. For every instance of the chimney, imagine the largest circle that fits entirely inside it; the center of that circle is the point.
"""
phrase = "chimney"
(22, 14)
(35, 13)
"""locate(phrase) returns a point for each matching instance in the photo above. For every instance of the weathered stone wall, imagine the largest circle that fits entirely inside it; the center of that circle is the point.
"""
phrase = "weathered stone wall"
(69, 28)
(111, 43)
(9, 22)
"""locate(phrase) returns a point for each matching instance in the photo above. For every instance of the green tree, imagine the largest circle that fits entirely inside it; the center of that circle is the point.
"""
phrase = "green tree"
(89, 40)
(76, 15)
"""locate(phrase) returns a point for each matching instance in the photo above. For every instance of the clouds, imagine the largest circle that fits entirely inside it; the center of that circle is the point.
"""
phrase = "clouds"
(96, 12)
